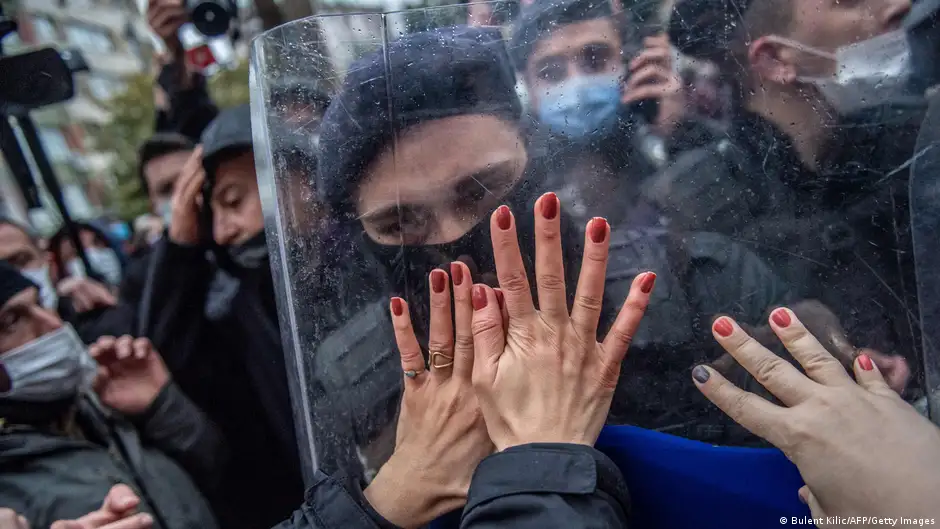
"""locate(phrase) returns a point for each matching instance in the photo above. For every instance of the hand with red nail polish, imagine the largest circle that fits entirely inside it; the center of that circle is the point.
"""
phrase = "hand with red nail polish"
(541, 375)
(857, 444)
(440, 437)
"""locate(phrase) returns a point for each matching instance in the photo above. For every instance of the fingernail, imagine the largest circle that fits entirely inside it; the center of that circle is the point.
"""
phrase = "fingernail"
(598, 229)
(397, 308)
(549, 206)
(700, 374)
(646, 284)
(865, 361)
(478, 297)
(438, 278)
(503, 217)
(146, 519)
(456, 273)
(723, 327)
(802, 496)
(500, 298)
(781, 317)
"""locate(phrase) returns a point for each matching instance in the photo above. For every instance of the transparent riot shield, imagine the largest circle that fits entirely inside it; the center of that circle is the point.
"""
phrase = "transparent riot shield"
(427, 132)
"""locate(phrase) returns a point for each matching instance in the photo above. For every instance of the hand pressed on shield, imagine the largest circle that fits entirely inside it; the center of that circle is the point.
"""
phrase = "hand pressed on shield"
(541, 376)
(858, 446)
(441, 437)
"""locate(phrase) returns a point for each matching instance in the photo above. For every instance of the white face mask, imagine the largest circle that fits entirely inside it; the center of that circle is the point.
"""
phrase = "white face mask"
(53, 367)
(47, 291)
(867, 72)
(104, 260)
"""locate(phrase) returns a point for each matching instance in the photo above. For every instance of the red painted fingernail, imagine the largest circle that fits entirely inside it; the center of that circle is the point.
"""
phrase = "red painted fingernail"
(500, 298)
(503, 217)
(549, 206)
(478, 297)
(438, 279)
(397, 307)
(723, 327)
(646, 284)
(598, 229)
(781, 317)
(456, 273)
(865, 361)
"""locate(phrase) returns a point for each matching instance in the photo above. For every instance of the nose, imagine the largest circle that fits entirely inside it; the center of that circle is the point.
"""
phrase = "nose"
(225, 232)
(894, 13)
(46, 320)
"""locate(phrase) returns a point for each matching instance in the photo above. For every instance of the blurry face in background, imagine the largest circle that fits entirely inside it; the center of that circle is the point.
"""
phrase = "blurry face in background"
(23, 319)
(444, 177)
(590, 47)
(89, 239)
(236, 205)
(161, 174)
(18, 249)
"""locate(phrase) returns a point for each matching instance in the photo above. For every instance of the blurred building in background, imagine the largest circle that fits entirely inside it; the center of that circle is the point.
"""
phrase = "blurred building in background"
(113, 38)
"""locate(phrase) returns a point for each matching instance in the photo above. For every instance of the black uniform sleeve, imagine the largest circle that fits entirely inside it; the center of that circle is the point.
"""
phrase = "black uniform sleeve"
(172, 306)
(177, 427)
(191, 110)
(544, 486)
(332, 505)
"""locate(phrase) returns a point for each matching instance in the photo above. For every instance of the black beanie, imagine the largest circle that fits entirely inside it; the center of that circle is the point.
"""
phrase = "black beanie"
(12, 282)
(704, 29)
(421, 77)
(539, 18)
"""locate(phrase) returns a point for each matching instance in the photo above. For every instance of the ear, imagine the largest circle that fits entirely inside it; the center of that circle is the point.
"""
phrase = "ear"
(772, 61)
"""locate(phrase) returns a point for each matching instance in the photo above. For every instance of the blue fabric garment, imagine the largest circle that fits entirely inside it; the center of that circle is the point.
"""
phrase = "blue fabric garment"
(676, 483)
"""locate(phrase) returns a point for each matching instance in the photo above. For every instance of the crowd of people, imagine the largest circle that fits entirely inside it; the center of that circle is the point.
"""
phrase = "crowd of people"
(419, 284)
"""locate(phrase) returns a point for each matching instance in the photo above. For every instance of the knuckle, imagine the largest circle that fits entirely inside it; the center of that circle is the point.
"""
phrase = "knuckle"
(768, 368)
(463, 342)
(551, 282)
(514, 282)
(596, 253)
(485, 324)
(622, 336)
(440, 345)
(588, 302)
(739, 403)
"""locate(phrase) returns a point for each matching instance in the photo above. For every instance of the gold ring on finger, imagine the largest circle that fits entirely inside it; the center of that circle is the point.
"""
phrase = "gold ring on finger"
(448, 360)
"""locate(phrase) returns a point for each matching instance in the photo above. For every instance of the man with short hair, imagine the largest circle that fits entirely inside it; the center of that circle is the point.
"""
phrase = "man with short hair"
(62, 449)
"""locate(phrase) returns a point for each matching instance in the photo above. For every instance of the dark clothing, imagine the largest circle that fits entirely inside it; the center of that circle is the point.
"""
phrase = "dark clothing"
(220, 339)
(48, 476)
(531, 486)
(190, 111)
(840, 235)
(104, 321)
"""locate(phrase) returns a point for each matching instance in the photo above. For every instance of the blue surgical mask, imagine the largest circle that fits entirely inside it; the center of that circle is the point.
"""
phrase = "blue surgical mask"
(582, 105)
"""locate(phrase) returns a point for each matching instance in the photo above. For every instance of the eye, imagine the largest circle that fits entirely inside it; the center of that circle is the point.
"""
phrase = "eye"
(412, 226)
(553, 71)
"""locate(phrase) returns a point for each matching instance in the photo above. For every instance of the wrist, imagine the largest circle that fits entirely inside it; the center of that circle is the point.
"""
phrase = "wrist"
(407, 498)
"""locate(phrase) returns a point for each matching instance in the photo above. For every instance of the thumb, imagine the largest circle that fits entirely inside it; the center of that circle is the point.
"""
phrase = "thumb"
(66, 524)
(120, 499)
(807, 497)
(489, 338)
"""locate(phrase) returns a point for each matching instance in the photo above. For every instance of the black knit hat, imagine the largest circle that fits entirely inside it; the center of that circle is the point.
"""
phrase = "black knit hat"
(12, 282)
(705, 28)
(538, 19)
(420, 77)
(227, 135)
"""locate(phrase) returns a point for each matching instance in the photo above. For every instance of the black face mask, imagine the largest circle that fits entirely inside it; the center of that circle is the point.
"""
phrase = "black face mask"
(407, 267)
(251, 254)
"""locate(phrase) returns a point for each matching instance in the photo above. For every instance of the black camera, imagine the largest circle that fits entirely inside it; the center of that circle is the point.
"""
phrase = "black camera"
(213, 18)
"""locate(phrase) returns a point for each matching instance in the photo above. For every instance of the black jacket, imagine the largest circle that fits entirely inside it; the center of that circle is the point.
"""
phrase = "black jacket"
(536, 486)
(840, 234)
(220, 339)
(48, 476)
(190, 111)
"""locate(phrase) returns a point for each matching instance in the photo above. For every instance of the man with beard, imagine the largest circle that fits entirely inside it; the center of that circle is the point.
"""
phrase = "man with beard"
(62, 448)
(813, 173)
(211, 311)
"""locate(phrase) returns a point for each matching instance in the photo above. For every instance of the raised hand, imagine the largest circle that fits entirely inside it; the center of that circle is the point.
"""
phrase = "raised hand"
(541, 375)
(118, 511)
(130, 373)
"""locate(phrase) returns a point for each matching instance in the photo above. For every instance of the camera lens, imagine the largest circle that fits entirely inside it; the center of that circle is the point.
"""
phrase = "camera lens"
(212, 18)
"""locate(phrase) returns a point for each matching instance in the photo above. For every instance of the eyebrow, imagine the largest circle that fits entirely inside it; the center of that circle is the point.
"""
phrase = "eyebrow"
(488, 178)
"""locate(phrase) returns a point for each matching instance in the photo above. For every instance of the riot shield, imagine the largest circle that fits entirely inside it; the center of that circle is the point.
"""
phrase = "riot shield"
(425, 135)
